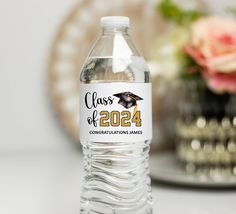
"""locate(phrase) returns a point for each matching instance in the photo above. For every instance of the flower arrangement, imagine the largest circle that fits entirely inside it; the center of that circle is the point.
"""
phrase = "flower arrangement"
(203, 46)
(200, 49)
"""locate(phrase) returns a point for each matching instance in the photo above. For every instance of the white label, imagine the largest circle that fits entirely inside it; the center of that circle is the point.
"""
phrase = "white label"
(115, 112)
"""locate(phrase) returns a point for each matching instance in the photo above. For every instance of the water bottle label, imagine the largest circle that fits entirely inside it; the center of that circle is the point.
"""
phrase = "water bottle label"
(115, 112)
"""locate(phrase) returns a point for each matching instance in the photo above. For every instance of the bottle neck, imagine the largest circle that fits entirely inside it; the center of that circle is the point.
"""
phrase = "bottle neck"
(114, 30)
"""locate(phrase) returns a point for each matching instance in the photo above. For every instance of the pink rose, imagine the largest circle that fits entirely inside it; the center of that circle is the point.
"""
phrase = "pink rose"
(213, 46)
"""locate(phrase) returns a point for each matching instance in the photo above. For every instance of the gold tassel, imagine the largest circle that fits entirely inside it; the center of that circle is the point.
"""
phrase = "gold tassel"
(135, 109)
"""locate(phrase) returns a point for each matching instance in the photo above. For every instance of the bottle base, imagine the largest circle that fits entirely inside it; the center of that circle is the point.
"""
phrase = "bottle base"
(104, 210)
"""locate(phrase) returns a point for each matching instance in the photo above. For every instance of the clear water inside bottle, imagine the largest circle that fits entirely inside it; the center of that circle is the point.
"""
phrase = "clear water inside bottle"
(116, 175)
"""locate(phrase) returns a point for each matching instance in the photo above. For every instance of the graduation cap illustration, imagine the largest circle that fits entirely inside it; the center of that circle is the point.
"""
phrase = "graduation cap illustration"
(127, 99)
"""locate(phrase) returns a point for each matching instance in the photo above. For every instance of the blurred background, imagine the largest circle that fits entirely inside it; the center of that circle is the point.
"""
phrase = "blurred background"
(42, 47)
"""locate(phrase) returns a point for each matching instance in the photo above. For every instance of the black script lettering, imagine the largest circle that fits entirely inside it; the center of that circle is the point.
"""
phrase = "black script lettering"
(86, 101)
(110, 100)
(93, 120)
(91, 100)
(95, 99)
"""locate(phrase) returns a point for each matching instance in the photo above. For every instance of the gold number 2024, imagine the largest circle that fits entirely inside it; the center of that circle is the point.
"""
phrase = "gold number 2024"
(116, 118)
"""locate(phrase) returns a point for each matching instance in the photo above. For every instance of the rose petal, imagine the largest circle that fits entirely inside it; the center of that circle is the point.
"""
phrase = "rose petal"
(224, 63)
(220, 82)
(195, 54)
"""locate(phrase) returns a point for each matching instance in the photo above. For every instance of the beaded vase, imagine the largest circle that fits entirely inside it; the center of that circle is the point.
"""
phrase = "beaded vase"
(206, 129)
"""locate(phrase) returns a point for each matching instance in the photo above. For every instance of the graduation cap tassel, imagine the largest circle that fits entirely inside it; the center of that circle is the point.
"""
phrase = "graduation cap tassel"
(135, 109)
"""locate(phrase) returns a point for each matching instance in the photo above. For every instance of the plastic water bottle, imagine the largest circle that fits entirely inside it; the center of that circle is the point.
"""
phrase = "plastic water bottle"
(115, 124)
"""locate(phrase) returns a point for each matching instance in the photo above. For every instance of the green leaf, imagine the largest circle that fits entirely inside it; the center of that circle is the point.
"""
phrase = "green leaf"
(174, 12)
(231, 10)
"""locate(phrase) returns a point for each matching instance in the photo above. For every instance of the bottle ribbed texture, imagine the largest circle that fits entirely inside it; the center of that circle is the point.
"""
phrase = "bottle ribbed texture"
(116, 178)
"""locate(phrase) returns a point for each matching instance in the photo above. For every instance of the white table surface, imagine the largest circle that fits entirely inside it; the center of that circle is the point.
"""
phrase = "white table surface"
(49, 183)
